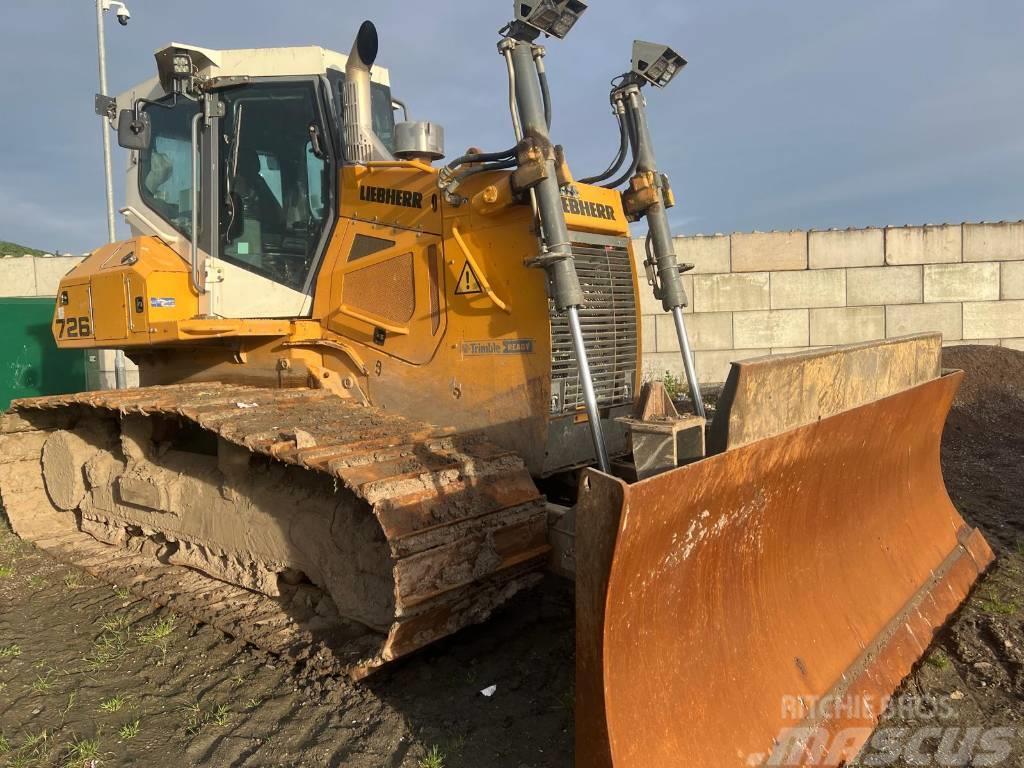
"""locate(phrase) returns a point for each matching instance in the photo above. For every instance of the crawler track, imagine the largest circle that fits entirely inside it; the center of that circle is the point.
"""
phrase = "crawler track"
(452, 525)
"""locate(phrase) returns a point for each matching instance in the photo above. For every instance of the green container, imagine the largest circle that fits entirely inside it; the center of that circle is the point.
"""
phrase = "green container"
(30, 362)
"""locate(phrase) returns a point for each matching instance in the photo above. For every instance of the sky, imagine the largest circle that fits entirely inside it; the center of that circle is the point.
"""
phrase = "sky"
(791, 114)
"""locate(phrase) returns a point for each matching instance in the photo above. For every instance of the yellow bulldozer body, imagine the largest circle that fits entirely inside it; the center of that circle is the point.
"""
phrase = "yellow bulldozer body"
(810, 552)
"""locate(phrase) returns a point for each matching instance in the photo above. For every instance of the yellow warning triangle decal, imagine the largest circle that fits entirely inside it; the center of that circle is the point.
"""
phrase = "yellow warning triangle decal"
(468, 282)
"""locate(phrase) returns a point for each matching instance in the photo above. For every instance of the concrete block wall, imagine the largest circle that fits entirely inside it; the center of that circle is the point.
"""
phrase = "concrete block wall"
(764, 293)
(39, 276)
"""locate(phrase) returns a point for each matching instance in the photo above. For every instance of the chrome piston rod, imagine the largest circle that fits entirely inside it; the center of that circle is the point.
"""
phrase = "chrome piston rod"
(556, 250)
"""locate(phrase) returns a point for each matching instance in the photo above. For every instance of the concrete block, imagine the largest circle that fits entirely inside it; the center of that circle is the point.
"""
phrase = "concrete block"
(1011, 280)
(657, 364)
(846, 325)
(961, 282)
(649, 333)
(993, 319)
(713, 366)
(706, 330)
(105, 360)
(50, 271)
(942, 244)
(904, 319)
(771, 328)
(768, 251)
(731, 293)
(17, 277)
(648, 304)
(1003, 241)
(709, 254)
(846, 248)
(808, 288)
(1017, 344)
(106, 380)
(870, 286)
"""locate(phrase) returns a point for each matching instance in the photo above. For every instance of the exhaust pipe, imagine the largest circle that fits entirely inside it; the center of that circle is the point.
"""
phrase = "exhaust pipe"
(361, 143)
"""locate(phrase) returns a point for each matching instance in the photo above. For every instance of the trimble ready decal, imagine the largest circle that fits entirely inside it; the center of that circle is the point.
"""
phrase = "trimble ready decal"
(497, 347)
(582, 207)
(388, 196)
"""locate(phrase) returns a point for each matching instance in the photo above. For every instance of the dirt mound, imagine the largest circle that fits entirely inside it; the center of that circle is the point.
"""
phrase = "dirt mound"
(971, 683)
(992, 372)
(983, 445)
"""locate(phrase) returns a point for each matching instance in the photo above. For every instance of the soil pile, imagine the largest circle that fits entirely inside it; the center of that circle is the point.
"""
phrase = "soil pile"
(983, 445)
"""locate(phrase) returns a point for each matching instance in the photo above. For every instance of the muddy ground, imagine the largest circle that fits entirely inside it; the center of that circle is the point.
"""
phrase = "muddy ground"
(90, 676)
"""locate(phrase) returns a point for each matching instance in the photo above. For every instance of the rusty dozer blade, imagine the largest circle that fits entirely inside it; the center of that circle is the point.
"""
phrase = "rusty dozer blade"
(759, 607)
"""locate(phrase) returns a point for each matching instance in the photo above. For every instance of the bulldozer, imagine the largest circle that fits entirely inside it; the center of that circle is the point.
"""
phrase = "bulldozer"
(381, 394)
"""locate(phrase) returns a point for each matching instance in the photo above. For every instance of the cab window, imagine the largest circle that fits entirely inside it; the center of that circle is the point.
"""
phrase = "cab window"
(275, 177)
(165, 167)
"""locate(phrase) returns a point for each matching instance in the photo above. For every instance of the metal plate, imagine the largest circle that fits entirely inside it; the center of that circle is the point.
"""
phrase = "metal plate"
(744, 588)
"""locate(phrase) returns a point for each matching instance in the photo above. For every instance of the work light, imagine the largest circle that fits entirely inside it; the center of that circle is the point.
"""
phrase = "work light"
(657, 64)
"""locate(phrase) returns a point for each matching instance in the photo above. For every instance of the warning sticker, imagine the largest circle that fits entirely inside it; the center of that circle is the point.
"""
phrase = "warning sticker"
(468, 282)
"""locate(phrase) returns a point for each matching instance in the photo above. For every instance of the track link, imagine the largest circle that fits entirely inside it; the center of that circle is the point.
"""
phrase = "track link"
(459, 520)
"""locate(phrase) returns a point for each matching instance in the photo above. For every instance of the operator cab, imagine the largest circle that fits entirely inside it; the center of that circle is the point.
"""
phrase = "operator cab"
(265, 128)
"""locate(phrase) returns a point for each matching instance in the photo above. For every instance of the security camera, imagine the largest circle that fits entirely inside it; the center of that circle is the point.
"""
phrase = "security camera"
(123, 16)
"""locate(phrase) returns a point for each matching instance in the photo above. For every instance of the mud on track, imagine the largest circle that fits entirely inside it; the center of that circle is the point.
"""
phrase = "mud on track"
(70, 645)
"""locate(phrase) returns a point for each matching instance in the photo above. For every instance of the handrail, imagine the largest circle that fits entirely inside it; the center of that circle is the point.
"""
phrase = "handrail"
(480, 276)
(200, 289)
(417, 165)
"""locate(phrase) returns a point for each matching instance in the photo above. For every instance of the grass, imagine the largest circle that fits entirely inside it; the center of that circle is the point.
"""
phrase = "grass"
(113, 704)
(123, 592)
(195, 718)
(117, 623)
(71, 702)
(35, 744)
(673, 384)
(938, 659)
(5, 745)
(72, 581)
(998, 606)
(43, 683)
(130, 730)
(82, 752)
(6, 571)
(159, 631)
(108, 648)
(254, 703)
(10, 651)
(433, 759)
(221, 715)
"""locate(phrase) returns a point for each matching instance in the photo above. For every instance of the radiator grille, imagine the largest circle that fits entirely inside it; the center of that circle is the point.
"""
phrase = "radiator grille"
(608, 317)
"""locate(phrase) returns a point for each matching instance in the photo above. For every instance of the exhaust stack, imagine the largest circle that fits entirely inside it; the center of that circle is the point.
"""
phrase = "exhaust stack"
(361, 143)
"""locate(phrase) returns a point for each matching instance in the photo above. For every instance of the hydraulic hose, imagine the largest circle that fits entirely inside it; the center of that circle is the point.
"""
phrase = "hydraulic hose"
(544, 91)
(633, 146)
(498, 166)
(620, 157)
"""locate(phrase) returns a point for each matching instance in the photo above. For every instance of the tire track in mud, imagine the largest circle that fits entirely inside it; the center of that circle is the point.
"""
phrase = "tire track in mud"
(277, 713)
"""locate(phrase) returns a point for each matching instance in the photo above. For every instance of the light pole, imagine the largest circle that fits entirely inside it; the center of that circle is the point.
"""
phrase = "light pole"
(123, 15)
